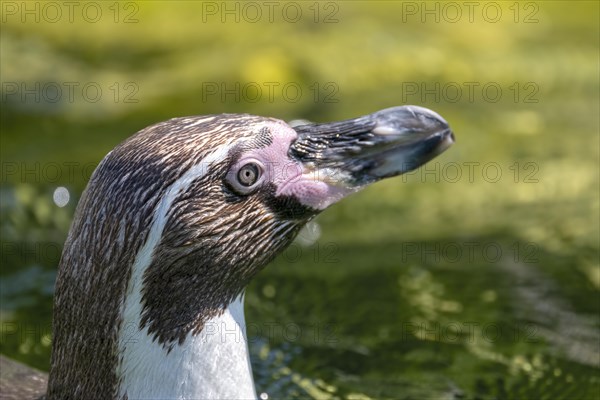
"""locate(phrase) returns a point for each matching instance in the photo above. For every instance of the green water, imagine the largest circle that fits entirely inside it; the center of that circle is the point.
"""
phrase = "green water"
(477, 277)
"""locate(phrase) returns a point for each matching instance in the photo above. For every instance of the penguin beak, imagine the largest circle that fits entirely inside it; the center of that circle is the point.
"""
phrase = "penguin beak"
(363, 150)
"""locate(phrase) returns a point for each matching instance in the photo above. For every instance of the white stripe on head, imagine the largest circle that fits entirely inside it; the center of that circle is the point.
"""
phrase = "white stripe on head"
(133, 305)
(146, 368)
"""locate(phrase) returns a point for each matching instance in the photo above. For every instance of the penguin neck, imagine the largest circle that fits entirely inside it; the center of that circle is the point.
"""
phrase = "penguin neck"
(212, 364)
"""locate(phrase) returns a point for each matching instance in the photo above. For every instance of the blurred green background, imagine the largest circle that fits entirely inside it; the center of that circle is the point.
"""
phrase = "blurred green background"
(476, 277)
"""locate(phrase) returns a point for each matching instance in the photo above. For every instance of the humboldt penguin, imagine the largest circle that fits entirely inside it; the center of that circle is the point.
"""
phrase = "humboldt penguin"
(176, 221)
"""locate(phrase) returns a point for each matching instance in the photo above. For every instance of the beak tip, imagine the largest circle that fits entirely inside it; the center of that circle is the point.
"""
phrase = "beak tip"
(396, 120)
(428, 114)
(447, 141)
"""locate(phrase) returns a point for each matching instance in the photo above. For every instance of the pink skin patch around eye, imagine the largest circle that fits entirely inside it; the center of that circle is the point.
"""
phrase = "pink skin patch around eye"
(311, 187)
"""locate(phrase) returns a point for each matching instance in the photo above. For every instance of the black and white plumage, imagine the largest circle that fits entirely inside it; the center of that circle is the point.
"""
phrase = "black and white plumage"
(176, 221)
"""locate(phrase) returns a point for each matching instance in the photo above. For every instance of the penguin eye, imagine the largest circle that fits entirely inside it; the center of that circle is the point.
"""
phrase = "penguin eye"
(248, 174)
(245, 177)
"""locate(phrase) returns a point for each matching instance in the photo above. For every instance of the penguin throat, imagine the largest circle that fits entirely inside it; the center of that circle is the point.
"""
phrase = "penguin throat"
(211, 364)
